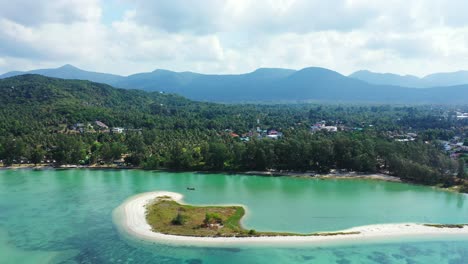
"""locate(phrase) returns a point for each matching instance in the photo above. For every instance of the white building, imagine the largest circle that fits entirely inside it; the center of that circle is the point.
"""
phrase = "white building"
(118, 130)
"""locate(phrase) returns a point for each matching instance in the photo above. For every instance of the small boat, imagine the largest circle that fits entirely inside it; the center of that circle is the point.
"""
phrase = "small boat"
(191, 188)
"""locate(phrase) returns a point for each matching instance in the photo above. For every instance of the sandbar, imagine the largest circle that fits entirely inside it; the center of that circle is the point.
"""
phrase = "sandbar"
(130, 218)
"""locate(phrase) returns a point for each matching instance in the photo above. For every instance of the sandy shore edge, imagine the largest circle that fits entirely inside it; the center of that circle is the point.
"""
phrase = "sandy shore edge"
(131, 219)
(350, 175)
(311, 175)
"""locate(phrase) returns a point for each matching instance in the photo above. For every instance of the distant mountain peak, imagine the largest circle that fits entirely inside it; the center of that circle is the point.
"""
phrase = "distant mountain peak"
(68, 67)
(388, 79)
(269, 73)
(266, 69)
(431, 80)
(317, 69)
(163, 71)
(361, 72)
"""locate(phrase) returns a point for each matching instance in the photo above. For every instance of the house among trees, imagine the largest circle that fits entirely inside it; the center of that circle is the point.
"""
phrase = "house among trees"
(101, 125)
(330, 128)
(117, 130)
(273, 134)
(461, 116)
(119, 162)
(321, 126)
(78, 127)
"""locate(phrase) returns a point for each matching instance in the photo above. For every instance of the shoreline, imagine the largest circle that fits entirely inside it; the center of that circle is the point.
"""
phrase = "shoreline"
(350, 175)
(299, 175)
(308, 175)
(130, 217)
(66, 167)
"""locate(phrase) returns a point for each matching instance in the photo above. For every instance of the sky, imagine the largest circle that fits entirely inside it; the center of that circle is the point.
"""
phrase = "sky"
(416, 37)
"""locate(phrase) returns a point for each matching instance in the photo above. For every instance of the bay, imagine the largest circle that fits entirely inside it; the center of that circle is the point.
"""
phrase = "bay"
(65, 216)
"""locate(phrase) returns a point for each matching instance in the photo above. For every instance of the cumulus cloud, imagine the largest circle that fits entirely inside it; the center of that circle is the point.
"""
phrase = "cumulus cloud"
(27, 12)
(50, 41)
(298, 16)
(273, 16)
(236, 36)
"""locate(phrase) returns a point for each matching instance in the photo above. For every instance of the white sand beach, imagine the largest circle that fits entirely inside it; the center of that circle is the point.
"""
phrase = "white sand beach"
(334, 175)
(130, 218)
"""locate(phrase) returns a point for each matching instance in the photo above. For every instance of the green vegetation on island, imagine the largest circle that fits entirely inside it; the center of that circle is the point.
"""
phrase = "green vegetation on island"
(169, 217)
(166, 216)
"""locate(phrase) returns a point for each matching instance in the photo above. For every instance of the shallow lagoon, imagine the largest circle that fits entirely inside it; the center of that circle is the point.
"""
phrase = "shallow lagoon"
(65, 216)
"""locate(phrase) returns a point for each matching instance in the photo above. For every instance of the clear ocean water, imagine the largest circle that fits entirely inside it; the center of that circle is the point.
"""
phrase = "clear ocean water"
(65, 216)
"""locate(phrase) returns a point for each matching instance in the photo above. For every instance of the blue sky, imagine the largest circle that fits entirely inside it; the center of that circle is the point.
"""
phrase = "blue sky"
(235, 36)
(114, 10)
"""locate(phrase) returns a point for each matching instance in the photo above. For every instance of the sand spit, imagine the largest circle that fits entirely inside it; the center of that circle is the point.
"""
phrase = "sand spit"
(131, 218)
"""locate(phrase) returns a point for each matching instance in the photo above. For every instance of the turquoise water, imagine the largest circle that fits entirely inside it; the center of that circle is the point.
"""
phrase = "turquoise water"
(65, 216)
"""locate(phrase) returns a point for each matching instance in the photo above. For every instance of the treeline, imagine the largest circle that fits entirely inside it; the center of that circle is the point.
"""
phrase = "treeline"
(214, 151)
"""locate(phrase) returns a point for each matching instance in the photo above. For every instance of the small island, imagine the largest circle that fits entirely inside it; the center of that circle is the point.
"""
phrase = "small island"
(162, 217)
(167, 216)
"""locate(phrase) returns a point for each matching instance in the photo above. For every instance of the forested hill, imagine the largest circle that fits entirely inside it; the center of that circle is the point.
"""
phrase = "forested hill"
(37, 105)
(70, 72)
(35, 100)
(31, 89)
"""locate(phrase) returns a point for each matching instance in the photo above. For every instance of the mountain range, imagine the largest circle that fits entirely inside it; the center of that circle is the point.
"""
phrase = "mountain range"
(432, 80)
(70, 72)
(284, 85)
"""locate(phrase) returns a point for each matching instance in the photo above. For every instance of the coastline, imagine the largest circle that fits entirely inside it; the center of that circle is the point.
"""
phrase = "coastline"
(309, 175)
(350, 175)
(51, 167)
(130, 218)
(301, 175)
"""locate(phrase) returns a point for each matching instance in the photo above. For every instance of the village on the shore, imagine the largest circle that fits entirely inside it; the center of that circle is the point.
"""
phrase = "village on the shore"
(455, 147)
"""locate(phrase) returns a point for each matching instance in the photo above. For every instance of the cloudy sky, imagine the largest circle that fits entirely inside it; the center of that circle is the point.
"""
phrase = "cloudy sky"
(235, 36)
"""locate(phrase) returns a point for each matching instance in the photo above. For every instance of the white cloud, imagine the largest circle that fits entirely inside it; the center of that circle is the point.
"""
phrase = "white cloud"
(212, 16)
(416, 37)
(27, 12)
(51, 41)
